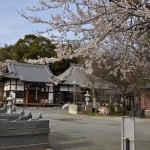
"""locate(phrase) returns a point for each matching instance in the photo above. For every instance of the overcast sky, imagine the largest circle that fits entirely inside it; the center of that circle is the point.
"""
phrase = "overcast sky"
(12, 25)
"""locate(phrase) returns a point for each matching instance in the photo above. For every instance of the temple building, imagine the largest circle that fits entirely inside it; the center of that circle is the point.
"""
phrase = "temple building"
(75, 82)
(29, 84)
(34, 85)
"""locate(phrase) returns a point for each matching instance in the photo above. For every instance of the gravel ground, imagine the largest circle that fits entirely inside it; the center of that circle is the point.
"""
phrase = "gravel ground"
(80, 132)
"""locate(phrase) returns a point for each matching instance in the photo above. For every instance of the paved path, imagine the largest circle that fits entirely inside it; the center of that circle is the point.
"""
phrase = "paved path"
(78, 132)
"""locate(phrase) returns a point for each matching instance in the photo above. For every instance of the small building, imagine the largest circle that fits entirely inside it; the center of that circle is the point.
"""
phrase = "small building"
(145, 100)
(75, 79)
(29, 84)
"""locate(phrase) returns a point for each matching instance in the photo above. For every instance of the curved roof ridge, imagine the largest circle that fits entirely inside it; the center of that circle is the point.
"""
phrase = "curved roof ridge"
(69, 71)
(48, 70)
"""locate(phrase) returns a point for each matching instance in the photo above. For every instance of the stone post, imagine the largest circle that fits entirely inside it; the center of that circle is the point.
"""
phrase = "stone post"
(22, 112)
(40, 116)
(9, 104)
(73, 109)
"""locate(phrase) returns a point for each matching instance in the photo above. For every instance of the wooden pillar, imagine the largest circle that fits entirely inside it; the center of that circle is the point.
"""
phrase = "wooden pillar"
(27, 96)
(43, 98)
(44, 92)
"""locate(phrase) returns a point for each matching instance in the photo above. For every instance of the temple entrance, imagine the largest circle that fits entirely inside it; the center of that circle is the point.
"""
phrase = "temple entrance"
(34, 95)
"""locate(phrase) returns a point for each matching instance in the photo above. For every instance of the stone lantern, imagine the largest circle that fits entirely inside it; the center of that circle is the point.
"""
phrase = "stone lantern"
(87, 98)
(9, 104)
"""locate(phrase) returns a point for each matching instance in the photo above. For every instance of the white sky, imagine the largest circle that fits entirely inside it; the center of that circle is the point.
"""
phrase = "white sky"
(12, 25)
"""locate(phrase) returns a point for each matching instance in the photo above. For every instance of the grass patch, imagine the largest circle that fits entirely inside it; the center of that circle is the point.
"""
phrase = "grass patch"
(93, 114)
(97, 114)
(117, 114)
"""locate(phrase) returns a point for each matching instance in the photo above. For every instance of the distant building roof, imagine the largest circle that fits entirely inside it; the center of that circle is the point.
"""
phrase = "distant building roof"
(30, 73)
(76, 73)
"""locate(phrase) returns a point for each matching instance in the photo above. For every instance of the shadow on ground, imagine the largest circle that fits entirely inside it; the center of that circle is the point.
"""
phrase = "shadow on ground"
(60, 141)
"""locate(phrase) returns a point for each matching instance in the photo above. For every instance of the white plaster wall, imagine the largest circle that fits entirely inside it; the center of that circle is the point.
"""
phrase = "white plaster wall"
(19, 100)
(50, 89)
(63, 88)
(42, 89)
(7, 87)
(20, 87)
(13, 87)
(50, 98)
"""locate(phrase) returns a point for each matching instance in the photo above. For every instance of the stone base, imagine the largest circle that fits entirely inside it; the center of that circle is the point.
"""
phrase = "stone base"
(147, 113)
(24, 134)
(9, 117)
(40, 146)
(73, 109)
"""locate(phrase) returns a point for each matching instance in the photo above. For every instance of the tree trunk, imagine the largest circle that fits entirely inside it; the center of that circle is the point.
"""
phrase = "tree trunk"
(94, 99)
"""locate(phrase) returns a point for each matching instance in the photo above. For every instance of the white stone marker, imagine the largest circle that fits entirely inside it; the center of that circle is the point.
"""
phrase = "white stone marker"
(128, 133)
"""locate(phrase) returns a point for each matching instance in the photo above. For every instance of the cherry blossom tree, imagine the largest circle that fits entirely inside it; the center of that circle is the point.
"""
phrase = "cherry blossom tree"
(3, 65)
(96, 26)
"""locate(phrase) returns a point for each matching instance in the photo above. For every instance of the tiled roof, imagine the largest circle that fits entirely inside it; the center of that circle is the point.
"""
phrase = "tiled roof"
(31, 73)
(77, 74)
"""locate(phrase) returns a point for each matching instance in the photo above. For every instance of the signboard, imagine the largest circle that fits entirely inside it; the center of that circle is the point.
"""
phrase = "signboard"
(128, 133)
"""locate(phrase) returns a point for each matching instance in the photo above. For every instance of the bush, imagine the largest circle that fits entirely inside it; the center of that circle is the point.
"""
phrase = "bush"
(118, 108)
(111, 108)
(120, 111)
